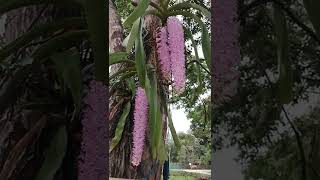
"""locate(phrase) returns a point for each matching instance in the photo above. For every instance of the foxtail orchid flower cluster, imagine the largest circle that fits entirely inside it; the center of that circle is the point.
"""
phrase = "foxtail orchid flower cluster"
(140, 125)
(227, 50)
(170, 50)
(171, 53)
(93, 155)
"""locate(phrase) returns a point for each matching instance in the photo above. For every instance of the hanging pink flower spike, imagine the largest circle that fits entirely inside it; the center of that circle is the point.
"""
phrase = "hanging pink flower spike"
(93, 155)
(177, 54)
(139, 127)
(163, 52)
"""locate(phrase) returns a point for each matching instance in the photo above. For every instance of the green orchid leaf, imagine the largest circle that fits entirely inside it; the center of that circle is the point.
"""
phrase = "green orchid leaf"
(194, 45)
(155, 121)
(96, 13)
(68, 67)
(140, 56)
(54, 155)
(119, 57)
(122, 72)
(173, 132)
(285, 81)
(66, 40)
(134, 33)
(120, 126)
(137, 13)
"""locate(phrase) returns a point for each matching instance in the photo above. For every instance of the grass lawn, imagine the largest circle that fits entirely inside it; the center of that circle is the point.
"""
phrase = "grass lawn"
(182, 178)
(180, 175)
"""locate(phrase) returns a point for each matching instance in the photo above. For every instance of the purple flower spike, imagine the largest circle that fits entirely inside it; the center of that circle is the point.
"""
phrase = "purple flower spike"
(140, 124)
(227, 54)
(93, 156)
(163, 52)
(177, 54)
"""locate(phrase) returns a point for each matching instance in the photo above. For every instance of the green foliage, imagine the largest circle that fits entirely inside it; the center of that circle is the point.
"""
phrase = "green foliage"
(206, 46)
(285, 76)
(173, 132)
(124, 8)
(120, 126)
(251, 120)
(187, 5)
(137, 13)
(282, 161)
(120, 57)
(54, 155)
(155, 122)
(191, 150)
(194, 45)
(140, 56)
(68, 68)
(126, 72)
(200, 122)
(312, 7)
(66, 40)
(134, 33)
(96, 13)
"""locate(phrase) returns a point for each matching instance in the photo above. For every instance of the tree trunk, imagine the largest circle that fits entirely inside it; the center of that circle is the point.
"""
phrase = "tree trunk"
(120, 157)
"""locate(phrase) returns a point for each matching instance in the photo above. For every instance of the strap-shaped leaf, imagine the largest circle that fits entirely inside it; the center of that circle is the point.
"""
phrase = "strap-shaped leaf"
(68, 65)
(131, 86)
(38, 31)
(134, 33)
(66, 40)
(140, 56)
(285, 80)
(54, 155)
(120, 126)
(96, 13)
(206, 46)
(312, 7)
(188, 5)
(194, 45)
(173, 132)
(155, 122)
(162, 153)
(206, 42)
(119, 57)
(138, 12)
(122, 72)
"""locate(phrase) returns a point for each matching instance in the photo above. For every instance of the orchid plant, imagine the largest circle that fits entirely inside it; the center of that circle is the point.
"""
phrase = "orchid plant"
(171, 60)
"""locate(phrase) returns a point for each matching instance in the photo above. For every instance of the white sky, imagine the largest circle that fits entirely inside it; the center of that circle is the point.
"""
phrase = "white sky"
(179, 119)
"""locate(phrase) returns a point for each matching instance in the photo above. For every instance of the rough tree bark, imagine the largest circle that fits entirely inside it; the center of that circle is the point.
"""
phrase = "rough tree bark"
(120, 157)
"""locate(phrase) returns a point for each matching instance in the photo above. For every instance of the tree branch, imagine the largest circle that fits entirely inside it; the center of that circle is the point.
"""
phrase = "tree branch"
(204, 68)
(296, 133)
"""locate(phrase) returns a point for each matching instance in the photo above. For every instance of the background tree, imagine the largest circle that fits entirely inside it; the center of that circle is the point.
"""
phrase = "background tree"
(190, 151)
(279, 69)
